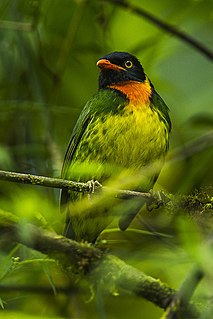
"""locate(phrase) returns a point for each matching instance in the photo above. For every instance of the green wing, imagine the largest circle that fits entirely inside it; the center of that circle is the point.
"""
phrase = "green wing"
(99, 105)
(79, 129)
(160, 106)
(103, 102)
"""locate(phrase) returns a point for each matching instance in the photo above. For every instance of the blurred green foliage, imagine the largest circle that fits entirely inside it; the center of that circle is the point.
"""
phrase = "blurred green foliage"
(48, 51)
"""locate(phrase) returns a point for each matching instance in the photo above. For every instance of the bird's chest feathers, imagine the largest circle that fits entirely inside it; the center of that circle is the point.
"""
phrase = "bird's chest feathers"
(137, 135)
(133, 138)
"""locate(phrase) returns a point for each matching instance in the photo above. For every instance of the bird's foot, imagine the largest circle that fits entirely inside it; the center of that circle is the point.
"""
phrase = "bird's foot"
(156, 200)
(92, 186)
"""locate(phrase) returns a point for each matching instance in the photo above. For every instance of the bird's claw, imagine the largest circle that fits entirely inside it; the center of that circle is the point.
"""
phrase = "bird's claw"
(92, 186)
(155, 201)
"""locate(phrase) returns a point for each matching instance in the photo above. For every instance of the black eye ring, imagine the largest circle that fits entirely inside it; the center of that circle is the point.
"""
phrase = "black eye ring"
(128, 64)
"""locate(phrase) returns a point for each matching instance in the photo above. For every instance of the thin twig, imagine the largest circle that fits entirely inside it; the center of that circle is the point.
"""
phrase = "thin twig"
(165, 26)
(66, 184)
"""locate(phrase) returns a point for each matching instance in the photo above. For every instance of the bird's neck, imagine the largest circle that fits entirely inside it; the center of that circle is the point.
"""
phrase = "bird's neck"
(138, 93)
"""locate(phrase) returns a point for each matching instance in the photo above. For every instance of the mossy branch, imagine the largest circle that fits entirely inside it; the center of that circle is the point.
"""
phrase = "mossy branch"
(66, 184)
(196, 203)
(88, 260)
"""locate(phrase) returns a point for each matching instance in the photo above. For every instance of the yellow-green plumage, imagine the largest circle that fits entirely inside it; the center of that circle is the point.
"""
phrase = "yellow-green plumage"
(119, 139)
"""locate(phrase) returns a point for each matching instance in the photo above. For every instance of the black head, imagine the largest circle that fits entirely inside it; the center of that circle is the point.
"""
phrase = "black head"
(119, 67)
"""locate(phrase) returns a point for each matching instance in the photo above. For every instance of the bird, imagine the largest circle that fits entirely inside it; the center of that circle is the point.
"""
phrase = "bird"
(120, 139)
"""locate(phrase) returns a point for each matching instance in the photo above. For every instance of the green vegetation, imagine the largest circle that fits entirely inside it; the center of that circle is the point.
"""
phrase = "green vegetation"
(48, 54)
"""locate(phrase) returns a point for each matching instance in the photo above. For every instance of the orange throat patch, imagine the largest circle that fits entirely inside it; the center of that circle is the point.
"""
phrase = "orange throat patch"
(138, 93)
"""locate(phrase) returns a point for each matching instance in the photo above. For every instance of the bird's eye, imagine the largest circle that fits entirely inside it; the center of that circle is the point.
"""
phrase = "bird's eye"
(128, 64)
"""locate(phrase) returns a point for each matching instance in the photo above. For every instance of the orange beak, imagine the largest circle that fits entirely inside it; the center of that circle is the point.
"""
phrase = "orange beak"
(106, 64)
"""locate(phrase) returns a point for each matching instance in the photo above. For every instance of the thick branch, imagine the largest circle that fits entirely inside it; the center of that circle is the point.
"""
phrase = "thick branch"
(165, 26)
(91, 261)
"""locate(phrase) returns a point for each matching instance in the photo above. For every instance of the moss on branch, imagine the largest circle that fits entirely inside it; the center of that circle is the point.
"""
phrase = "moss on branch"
(100, 268)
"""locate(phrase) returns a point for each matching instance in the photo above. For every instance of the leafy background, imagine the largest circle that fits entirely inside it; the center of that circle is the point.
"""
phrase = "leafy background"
(48, 52)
